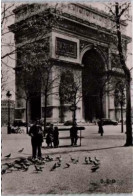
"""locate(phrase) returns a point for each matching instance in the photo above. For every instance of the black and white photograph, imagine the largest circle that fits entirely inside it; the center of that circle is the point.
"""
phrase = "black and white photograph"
(66, 97)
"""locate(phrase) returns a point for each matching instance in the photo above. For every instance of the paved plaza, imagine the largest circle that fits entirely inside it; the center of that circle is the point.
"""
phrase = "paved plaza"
(114, 175)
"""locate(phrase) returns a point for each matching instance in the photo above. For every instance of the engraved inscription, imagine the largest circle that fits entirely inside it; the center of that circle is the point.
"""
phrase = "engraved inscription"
(66, 48)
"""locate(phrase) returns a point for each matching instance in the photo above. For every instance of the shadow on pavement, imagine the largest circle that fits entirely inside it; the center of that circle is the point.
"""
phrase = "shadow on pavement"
(80, 150)
(71, 149)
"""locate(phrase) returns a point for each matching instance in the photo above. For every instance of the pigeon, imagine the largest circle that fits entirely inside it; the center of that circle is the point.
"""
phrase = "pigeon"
(8, 156)
(96, 164)
(25, 168)
(59, 158)
(96, 159)
(9, 165)
(4, 167)
(86, 160)
(43, 162)
(24, 159)
(21, 150)
(27, 163)
(67, 165)
(54, 167)
(17, 161)
(58, 164)
(3, 171)
(38, 162)
(17, 166)
(51, 159)
(93, 169)
(76, 161)
(90, 160)
(48, 158)
(38, 168)
(72, 159)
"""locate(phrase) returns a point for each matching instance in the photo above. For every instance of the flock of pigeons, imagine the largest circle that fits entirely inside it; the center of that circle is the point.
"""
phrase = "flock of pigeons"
(24, 163)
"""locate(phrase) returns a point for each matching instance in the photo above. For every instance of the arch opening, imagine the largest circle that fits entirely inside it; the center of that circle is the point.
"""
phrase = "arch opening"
(93, 85)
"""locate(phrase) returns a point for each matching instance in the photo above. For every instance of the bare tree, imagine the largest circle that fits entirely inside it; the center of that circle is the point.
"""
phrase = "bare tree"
(119, 95)
(32, 49)
(7, 44)
(33, 54)
(4, 78)
(70, 90)
(28, 87)
(120, 13)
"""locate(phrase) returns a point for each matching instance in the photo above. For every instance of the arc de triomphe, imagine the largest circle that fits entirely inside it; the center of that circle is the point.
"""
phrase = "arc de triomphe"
(82, 41)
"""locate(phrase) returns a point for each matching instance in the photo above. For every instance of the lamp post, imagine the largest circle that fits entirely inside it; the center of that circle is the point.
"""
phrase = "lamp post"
(8, 94)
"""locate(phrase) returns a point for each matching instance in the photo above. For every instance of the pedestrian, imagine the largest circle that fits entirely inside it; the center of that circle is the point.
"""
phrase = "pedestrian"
(74, 135)
(36, 134)
(100, 125)
(56, 137)
(50, 136)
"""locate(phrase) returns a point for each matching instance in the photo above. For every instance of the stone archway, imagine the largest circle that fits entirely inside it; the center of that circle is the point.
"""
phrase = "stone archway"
(92, 76)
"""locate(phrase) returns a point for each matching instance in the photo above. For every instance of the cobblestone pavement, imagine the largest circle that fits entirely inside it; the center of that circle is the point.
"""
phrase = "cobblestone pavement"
(115, 174)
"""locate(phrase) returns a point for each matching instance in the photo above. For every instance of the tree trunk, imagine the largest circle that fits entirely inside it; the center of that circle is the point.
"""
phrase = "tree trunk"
(101, 105)
(128, 79)
(121, 118)
(45, 113)
(26, 116)
(116, 113)
(74, 111)
(74, 117)
(128, 115)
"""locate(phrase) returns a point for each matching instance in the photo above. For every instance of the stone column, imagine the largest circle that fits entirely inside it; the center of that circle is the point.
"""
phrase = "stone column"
(55, 93)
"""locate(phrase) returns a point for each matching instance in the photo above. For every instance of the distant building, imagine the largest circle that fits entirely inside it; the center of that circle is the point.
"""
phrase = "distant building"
(83, 40)
(4, 112)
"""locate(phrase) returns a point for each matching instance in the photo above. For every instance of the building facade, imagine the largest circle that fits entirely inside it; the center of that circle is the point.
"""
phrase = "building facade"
(82, 41)
(4, 112)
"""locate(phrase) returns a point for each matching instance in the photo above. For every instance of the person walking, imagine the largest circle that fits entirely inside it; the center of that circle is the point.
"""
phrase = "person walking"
(100, 125)
(73, 135)
(56, 137)
(36, 134)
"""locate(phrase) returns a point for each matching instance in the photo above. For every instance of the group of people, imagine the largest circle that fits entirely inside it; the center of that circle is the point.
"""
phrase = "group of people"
(52, 137)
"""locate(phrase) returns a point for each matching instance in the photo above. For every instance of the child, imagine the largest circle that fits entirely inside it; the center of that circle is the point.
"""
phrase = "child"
(50, 136)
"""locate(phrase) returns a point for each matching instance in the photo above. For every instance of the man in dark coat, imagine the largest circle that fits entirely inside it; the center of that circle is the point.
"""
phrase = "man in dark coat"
(36, 134)
(73, 135)
(56, 137)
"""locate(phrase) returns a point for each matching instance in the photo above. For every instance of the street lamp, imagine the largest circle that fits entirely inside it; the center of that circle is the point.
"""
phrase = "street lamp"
(8, 94)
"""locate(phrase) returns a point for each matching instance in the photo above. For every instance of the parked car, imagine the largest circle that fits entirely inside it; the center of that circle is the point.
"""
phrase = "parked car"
(107, 121)
(68, 123)
(19, 123)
